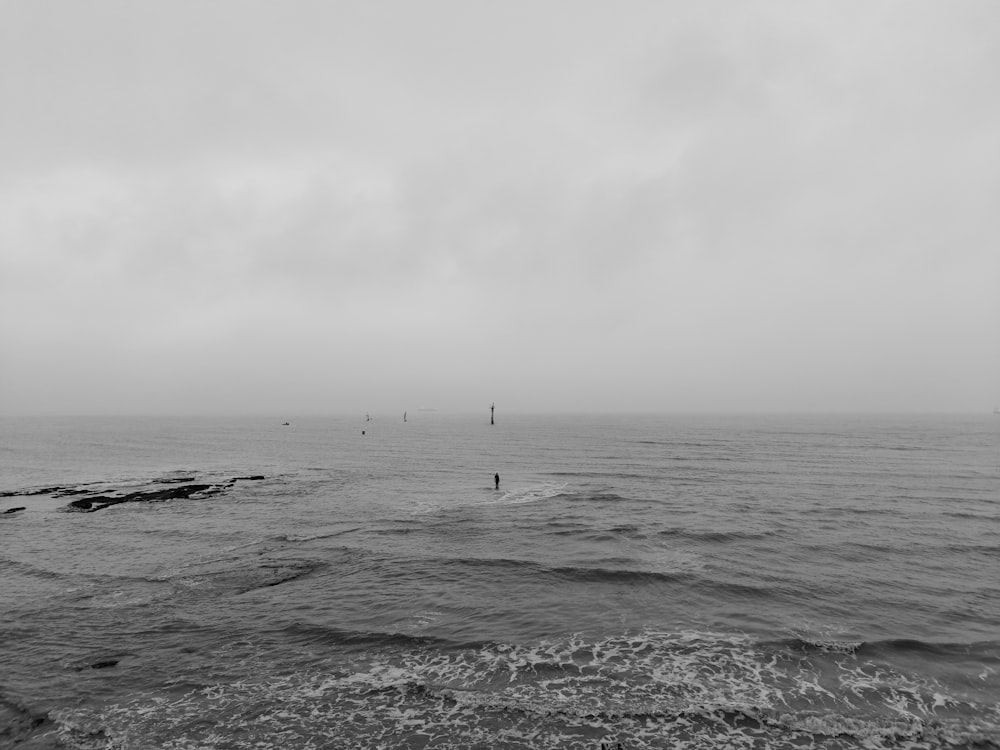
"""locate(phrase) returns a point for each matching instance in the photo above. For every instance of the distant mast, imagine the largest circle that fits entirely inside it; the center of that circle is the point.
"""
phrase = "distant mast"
(491, 412)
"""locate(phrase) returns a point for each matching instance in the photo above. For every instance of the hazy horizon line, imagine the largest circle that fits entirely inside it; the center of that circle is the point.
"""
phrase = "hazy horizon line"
(374, 415)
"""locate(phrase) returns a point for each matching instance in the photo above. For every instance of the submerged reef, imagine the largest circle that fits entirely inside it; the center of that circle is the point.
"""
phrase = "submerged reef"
(93, 497)
(100, 502)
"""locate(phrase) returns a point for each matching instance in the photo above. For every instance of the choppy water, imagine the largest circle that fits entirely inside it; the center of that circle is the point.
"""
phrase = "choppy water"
(765, 582)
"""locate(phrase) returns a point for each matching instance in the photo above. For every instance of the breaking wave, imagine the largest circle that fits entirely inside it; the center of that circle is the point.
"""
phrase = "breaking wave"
(650, 689)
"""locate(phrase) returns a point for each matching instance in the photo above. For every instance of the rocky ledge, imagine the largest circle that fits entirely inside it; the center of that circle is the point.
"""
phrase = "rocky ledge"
(97, 496)
(174, 492)
(100, 502)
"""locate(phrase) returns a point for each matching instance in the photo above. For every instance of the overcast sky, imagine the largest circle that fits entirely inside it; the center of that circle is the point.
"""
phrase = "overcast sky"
(314, 207)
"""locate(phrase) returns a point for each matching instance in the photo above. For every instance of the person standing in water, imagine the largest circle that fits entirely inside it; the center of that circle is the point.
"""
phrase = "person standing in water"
(496, 478)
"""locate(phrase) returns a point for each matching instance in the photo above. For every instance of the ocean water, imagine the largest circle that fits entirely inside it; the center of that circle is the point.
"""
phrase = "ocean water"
(635, 582)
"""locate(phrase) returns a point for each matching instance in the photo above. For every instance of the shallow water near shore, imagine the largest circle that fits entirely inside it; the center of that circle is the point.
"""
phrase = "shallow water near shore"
(654, 581)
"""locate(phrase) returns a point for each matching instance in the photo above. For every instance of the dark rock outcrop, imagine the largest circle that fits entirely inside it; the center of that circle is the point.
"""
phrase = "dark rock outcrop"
(100, 502)
(93, 496)
(36, 491)
(23, 726)
(58, 491)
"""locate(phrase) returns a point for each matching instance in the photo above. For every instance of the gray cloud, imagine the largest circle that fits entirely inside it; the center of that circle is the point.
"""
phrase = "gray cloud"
(247, 207)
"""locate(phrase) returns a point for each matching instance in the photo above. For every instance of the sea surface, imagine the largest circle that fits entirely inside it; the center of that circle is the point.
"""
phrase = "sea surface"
(635, 582)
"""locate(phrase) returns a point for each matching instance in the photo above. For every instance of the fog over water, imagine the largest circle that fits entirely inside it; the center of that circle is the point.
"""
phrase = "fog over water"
(249, 207)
